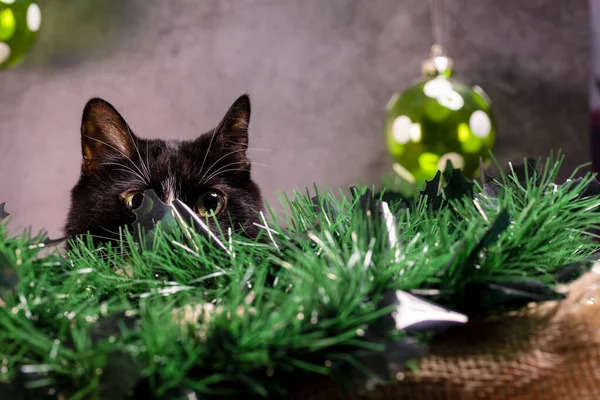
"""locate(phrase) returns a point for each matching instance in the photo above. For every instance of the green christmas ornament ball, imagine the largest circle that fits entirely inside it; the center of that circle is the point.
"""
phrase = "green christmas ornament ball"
(20, 21)
(438, 119)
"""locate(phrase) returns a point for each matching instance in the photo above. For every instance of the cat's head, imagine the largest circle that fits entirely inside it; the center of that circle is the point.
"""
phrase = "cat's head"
(210, 174)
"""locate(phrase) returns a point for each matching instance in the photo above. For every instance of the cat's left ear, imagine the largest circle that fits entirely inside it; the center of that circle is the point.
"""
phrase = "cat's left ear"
(104, 135)
(232, 132)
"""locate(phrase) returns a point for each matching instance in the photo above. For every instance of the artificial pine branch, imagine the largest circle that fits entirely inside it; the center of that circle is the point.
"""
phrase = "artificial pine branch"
(180, 315)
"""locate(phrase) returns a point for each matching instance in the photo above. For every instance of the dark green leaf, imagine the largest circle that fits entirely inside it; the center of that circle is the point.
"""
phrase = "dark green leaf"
(9, 278)
(527, 171)
(466, 269)
(112, 326)
(506, 295)
(119, 376)
(457, 185)
(397, 353)
(592, 189)
(431, 191)
(395, 200)
(570, 272)
(3, 213)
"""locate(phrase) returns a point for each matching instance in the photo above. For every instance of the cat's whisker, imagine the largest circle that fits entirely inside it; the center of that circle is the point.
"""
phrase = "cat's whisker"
(138, 180)
(216, 162)
(227, 155)
(260, 165)
(216, 173)
(212, 138)
(147, 152)
(127, 169)
(220, 169)
(119, 151)
(229, 170)
(144, 167)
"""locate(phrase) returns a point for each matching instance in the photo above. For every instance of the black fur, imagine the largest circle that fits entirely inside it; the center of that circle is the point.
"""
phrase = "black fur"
(97, 207)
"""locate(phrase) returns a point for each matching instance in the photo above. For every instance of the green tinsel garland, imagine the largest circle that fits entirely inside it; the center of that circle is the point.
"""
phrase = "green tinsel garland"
(324, 292)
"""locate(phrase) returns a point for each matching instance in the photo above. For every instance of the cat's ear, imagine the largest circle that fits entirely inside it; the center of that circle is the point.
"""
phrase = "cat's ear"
(104, 135)
(232, 132)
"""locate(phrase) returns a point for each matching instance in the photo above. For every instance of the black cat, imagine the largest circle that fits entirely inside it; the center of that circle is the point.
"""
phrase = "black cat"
(210, 174)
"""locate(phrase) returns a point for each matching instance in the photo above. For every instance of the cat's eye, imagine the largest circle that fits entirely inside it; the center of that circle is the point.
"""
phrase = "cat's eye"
(133, 200)
(210, 203)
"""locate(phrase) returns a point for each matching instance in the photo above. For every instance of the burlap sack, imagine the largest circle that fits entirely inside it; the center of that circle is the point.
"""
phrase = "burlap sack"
(549, 351)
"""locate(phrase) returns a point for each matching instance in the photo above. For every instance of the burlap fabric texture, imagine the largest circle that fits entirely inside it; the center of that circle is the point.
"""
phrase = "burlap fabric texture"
(547, 351)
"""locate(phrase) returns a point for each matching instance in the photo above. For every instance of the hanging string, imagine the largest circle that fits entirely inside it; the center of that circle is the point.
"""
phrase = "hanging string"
(436, 10)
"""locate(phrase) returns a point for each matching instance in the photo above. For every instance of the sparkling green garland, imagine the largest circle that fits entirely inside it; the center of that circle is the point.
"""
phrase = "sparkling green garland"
(326, 291)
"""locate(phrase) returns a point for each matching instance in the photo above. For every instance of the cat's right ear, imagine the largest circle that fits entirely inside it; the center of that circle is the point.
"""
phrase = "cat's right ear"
(104, 135)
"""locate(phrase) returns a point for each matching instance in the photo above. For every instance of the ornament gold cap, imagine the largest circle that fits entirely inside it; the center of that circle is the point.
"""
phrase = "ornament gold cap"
(438, 62)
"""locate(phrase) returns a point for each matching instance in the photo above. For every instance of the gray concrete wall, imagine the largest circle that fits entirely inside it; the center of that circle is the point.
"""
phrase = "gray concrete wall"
(319, 72)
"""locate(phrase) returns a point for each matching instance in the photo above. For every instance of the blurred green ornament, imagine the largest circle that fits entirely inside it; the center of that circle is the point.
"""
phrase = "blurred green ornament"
(438, 119)
(20, 21)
